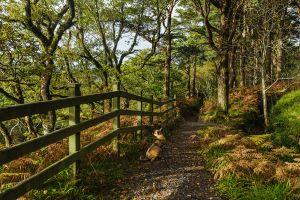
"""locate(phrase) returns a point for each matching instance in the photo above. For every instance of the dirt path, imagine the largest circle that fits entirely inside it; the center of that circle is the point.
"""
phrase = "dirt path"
(179, 174)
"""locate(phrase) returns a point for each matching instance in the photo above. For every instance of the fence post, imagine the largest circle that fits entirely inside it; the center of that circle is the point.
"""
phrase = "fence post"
(116, 121)
(151, 110)
(140, 117)
(74, 140)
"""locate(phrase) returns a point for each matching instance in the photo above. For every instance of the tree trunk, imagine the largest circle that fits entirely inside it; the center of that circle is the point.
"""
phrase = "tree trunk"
(28, 121)
(168, 69)
(189, 81)
(168, 50)
(225, 44)
(194, 77)
(71, 77)
(233, 68)
(242, 67)
(278, 58)
(5, 133)
(255, 72)
(229, 13)
(105, 80)
(223, 84)
(256, 69)
(107, 102)
(242, 47)
(263, 88)
(268, 61)
(48, 120)
(30, 126)
(279, 45)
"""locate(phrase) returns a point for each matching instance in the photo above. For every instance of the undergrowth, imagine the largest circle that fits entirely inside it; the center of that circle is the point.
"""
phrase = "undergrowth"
(250, 167)
(99, 174)
(101, 171)
(244, 112)
(60, 187)
(247, 162)
(244, 189)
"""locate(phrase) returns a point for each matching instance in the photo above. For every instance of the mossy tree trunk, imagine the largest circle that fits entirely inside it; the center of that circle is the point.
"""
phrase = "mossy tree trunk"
(49, 35)
(223, 84)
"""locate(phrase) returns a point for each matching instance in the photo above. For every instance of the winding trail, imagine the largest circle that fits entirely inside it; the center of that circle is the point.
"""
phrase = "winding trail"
(179, 174)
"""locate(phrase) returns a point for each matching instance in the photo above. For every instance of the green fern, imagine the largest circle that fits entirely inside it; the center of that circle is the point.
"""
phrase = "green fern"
(260, 139)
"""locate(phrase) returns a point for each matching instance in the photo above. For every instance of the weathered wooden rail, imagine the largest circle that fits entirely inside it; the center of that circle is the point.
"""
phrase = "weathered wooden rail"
(73, 132)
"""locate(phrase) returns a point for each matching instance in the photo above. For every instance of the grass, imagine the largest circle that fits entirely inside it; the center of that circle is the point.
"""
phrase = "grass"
(245, 189)
(231, 187)
(60, 187)
(213, 153)
(285, 118)
(273, 191)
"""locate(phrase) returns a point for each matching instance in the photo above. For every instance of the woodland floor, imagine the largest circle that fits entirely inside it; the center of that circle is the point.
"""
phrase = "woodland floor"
(179, 174)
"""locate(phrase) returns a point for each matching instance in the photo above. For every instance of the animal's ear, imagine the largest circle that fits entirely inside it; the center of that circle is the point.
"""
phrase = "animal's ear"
(160, 129)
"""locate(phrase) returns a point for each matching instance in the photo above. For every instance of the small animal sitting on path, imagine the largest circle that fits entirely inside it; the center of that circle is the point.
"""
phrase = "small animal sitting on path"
(153, 151)
(159, 135)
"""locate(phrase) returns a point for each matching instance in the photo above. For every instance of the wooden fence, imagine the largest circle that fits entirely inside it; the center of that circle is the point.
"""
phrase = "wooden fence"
(73, 132)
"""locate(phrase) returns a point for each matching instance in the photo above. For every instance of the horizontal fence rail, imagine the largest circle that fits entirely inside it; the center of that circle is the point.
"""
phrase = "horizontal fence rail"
(36, 180)
(22, 110)
(22, 149)
(136, 112)
(25, 148)
(13, 112)
(139, 98)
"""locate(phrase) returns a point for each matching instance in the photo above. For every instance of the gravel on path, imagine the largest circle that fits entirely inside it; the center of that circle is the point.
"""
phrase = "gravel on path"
(179, 174)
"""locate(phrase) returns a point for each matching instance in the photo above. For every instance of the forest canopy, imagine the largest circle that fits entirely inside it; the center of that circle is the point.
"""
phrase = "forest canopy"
(202, 48)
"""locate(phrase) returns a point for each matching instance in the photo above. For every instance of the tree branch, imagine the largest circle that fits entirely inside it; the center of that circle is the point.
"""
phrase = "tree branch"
(65, 26)
(86, 51)
(103, 35)
(30, 25)
(9, 96)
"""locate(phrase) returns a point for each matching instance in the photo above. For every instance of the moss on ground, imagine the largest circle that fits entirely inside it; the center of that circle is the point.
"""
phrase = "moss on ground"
(285, 118)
